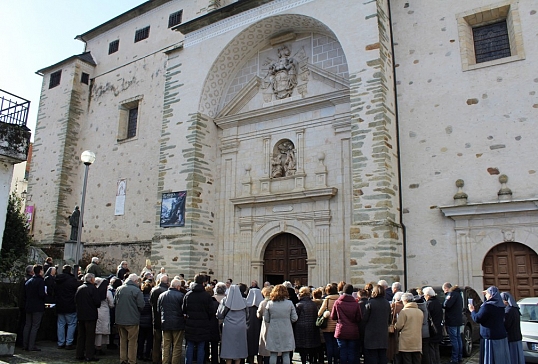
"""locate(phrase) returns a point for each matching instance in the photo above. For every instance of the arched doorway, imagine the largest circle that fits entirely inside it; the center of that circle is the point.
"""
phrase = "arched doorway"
(285, 260)
(512, 267)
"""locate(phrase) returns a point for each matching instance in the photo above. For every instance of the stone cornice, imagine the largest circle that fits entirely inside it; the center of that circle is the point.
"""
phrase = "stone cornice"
(233, 16)
(298, 196)
(489, 208)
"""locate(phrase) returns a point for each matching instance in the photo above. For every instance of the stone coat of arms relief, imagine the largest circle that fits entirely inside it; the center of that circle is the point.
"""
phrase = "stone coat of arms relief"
(285, 74)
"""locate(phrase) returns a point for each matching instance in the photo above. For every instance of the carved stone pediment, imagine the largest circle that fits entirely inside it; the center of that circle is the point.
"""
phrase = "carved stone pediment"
(250, 102)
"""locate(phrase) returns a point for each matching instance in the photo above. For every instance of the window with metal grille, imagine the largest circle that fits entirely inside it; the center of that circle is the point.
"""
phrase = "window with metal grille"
(491, 42)
(132, 122)
(141, 34)
(175, 18)
(55, 79)
(113, 46)
(85, 78)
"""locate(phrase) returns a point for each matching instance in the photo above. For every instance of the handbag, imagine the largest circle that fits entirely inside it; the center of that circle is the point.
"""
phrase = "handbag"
(322, 321)
(392, 330)
(433, 328)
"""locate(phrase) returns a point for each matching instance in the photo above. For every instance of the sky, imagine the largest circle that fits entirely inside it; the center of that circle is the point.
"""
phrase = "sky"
(35, 34)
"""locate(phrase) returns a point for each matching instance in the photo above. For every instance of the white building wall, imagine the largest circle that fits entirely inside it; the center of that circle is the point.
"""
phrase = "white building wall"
(454, 124)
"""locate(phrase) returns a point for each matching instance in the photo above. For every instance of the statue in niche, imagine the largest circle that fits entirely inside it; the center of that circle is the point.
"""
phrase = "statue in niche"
(289, 163)
(282, 74)
(284, 161)
(277, 170)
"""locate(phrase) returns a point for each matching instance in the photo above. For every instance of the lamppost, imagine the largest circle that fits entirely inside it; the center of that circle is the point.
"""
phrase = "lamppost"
(87, 157)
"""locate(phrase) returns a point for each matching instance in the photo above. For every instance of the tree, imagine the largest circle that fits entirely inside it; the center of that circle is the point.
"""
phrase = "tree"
(16, 240)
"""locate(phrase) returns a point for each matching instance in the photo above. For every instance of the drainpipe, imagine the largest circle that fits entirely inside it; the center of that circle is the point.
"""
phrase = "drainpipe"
(397, 121)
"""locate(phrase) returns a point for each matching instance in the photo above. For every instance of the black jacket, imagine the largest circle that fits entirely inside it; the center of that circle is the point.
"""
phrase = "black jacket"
(169, 306)
(377, 318)
(197, 307)
(436, 313)
(50, 283)
(153, 297)
(87, 301)
(145, 314)
(512, 323)
(35, 294)
(66, 287)
(214, 328)
(453, 306)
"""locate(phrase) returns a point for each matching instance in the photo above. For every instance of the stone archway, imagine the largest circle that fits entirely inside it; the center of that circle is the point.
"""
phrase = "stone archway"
(285, 260)
(512, 267)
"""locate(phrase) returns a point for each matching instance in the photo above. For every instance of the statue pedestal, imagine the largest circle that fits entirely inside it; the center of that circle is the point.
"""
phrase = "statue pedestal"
(70, 251)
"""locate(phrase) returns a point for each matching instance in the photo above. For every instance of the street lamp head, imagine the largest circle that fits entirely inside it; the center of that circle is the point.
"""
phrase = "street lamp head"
(87, 157)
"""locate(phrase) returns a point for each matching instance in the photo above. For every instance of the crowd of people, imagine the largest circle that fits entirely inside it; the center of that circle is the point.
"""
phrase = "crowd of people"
(154, 317)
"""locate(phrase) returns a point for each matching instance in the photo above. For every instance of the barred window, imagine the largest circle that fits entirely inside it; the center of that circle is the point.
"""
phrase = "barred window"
(132, 122)
(175, 18)
(113, 46)
(55, 79)
(85, 78)
(491, 42)
(141, 34)
(128, 121)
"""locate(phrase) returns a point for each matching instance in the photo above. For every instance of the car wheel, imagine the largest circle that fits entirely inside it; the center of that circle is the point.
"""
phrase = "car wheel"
(467, 341)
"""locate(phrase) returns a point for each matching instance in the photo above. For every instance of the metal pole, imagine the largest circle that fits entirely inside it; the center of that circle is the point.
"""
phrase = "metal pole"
(79, 233)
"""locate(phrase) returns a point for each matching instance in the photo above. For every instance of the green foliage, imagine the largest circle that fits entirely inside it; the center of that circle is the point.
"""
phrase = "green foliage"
(15, 242)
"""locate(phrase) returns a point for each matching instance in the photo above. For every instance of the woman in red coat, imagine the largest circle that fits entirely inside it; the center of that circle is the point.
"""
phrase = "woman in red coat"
(347, 312)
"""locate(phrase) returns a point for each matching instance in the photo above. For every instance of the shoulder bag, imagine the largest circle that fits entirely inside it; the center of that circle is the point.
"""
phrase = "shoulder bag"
(322, 321)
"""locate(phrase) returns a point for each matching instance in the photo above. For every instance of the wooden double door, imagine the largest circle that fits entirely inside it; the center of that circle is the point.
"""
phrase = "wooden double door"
(285, 260)
(512, 267)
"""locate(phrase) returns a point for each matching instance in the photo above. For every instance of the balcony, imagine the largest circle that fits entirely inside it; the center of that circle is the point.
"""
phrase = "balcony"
(14, 135)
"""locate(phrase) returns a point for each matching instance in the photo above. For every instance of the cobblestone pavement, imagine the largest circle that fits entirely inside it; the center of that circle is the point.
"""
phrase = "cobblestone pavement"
(50, 354)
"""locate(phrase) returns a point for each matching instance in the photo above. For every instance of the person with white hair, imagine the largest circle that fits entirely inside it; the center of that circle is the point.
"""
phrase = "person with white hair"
(395, 308)
(220, 291)
(94, 267)
(388, 292)
(409, 325)
(169, 305)
(435, 308)
(129, 301)
(88, 301)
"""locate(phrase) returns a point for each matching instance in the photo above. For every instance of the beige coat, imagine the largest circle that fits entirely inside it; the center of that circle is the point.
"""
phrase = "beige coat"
(103, 312)
(409, 325)
(329, 300)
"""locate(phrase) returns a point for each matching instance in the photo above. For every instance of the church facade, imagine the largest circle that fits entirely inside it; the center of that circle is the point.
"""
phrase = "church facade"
(300, 140)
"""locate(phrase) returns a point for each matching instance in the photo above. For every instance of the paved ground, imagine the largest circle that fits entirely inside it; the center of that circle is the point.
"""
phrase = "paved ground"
(49, 354)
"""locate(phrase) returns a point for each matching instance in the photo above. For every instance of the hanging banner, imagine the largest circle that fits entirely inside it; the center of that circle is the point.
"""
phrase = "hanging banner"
(121, 190)
(29, 212)
(173, 209)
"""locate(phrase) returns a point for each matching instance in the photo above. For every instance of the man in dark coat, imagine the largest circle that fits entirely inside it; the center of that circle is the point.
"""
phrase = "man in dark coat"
(157, 331)
(35, 307)
(197, 308)
(22, 303)
(453, 306)
(66, 308)
(87, 301)
(377, 319)
(170, 305)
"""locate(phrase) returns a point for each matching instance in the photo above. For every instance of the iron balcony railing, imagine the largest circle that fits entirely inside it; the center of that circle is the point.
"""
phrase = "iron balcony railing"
(13, 109)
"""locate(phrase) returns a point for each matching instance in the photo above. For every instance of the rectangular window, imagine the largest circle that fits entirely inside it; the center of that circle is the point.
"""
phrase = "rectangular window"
(113, 46)
(55, 79)
(128, 121)
(175, 18)
(85, 78)
(490, 35)
(132, 122)
(141, 34)
(491, 42)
